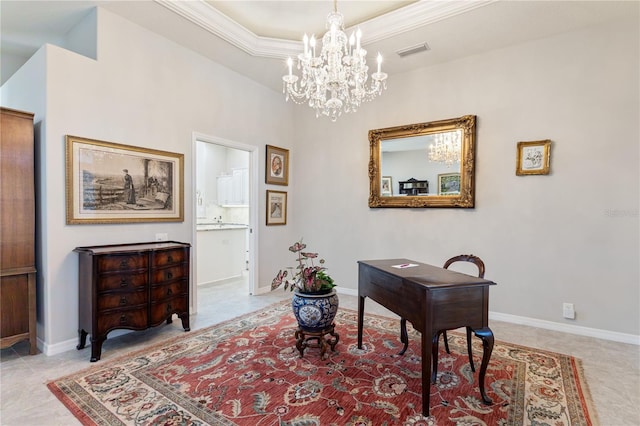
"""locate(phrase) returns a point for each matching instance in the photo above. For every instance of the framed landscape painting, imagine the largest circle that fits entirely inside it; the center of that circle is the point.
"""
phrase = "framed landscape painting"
(113, 183)
(449, 184)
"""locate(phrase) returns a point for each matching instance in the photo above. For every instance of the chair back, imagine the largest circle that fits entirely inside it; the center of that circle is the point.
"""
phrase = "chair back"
(467, 258)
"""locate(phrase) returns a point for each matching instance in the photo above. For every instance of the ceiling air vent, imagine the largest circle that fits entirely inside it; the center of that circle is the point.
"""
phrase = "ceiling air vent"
(422, 47)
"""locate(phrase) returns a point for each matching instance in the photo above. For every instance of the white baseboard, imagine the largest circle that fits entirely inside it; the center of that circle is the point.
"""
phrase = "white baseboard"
(61, 347)
(567, 328)
(547, 325)
(222, 280)
(72, 344)
(263, 290)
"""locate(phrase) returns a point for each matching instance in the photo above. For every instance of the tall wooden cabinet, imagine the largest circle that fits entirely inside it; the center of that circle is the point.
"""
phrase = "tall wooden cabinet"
(131, 286)
(17, 230)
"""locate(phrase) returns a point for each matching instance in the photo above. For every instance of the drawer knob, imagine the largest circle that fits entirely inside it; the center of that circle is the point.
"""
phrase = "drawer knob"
(170, 259)
(123, 300)
(123, 319)
(169, 275)
(123, 282)
(124, 263)
(169, 308)
(169, 291)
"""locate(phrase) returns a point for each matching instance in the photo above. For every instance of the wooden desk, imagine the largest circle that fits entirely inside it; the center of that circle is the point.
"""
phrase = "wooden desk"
(432, 299)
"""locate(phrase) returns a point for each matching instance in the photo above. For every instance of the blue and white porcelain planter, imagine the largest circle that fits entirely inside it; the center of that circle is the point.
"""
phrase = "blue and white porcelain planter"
(315, 312)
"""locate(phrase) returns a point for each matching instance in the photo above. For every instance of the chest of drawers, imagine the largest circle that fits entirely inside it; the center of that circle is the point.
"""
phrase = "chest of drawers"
(131, 286)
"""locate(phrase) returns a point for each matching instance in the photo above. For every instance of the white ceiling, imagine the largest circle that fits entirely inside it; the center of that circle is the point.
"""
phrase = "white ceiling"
(255, 37)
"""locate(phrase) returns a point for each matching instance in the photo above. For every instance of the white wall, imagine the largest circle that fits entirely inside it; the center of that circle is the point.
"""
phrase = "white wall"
(571, 236)
(142, 90)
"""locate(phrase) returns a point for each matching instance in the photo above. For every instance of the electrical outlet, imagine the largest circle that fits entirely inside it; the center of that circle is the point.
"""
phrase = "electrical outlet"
(568, 311)
(162, 237)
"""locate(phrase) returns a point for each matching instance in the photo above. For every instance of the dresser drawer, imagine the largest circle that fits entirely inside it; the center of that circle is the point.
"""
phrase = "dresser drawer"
(169, 257)
(132, 318)
(122, 262)
(122, 281)
(122, 300)
(169, 274)
(161, 311)
(169, 290)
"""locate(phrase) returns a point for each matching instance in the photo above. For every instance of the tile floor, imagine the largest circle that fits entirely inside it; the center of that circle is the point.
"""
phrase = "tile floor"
(612, 369)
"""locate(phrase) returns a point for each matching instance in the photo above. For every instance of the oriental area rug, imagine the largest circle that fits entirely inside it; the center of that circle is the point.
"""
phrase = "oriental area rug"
(247, 371)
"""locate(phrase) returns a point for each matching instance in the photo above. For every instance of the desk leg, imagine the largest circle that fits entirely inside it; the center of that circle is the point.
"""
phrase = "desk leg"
(427, 347)
(360, 319)
(486, 335)
(404, 337)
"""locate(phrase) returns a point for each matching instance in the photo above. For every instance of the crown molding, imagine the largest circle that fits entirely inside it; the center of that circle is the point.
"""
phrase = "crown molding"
(414, 16)
(385, 26)
(210, 19)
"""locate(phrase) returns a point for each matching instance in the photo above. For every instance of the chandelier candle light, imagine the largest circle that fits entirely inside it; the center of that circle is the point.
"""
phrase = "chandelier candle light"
(446, 149)
(336, 80)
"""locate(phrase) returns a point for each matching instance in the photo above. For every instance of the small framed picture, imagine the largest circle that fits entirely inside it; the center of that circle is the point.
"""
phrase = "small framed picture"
(277, 166)
(276, 208)
(386, 187)
(449, 184)
(533, 158)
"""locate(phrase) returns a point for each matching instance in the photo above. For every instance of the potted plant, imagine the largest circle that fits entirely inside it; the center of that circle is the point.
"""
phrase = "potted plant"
(315, 302)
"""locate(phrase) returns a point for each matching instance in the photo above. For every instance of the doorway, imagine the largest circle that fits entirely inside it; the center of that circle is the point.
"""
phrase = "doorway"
(225, 216)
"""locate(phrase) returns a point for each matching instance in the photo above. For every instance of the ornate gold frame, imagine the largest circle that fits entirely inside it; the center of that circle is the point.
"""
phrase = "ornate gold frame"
(465, 199)
(543, 169)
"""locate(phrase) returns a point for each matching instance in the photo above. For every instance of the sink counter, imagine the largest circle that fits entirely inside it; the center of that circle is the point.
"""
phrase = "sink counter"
(219, 226)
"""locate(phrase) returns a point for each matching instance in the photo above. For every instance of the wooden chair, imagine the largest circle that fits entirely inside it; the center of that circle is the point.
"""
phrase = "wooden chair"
(404, 338)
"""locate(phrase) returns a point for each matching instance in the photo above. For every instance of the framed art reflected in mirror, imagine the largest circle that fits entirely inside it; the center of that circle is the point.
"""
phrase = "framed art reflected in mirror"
(386, 187)
(449, 184)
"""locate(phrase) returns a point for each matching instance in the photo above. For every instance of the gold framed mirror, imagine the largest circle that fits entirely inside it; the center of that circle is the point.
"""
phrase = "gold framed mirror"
(423, 165)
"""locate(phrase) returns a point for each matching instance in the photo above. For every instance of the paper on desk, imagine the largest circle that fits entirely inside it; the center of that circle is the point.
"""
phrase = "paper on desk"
(404, 265)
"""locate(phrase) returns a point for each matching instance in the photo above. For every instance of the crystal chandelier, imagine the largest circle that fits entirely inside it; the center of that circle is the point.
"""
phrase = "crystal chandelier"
(336, 80)
(446, 148)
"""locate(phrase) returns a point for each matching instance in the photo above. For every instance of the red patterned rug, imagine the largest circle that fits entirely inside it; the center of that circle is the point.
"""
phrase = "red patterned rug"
(247, 371)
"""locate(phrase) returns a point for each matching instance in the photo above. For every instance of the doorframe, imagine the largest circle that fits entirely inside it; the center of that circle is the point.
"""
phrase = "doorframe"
(253, 208)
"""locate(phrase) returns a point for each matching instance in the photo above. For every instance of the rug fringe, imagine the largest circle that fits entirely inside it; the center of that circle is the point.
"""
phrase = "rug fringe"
(585, 393)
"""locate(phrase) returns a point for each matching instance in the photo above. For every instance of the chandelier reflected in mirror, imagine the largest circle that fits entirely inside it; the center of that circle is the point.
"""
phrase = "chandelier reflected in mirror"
(336, 80)
(445, 148)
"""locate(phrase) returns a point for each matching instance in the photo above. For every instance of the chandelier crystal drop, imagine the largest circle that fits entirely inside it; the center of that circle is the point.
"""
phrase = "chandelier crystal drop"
(336, 80)
(446, 148)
